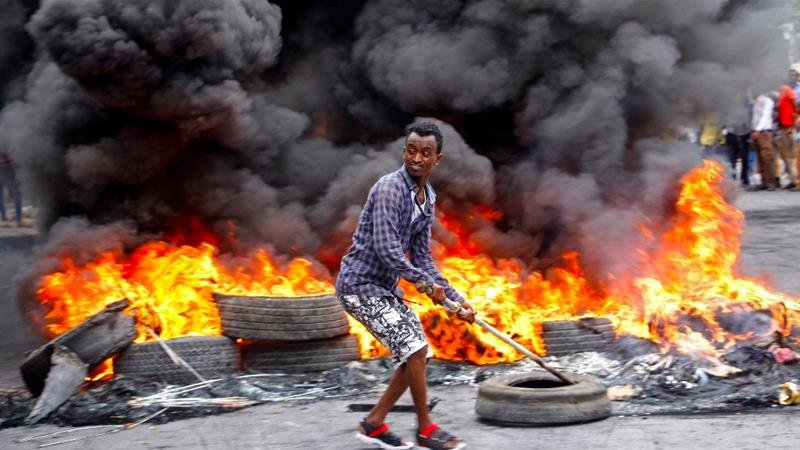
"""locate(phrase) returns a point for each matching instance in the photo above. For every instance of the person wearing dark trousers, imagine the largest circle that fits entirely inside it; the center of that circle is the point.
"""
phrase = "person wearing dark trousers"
(739, 150)
(784, 138)
(8, 182)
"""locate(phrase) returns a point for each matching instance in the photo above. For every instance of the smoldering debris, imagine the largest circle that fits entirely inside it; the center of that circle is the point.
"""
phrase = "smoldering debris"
(652, 383)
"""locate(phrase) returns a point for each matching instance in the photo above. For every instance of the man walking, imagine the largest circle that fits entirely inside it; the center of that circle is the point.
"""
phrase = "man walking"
(784, 142)
(8, 181)
(396, 220)
(762, 124)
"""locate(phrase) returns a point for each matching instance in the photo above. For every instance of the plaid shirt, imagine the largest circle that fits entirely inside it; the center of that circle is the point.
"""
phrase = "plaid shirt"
(385, 234)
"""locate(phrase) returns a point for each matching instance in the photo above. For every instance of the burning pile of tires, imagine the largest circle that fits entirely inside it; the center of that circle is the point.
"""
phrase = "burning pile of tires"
(262, 334)
(210, 356)
(590, 334)
(288, 335)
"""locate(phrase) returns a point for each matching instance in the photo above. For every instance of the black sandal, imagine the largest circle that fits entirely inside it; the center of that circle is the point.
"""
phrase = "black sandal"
(381, 436)
(433, 437)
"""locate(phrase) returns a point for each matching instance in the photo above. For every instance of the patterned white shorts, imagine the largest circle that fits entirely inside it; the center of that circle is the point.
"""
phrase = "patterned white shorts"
(391, 321)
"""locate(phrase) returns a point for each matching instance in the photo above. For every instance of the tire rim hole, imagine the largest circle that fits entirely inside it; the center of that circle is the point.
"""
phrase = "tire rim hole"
(538, 384)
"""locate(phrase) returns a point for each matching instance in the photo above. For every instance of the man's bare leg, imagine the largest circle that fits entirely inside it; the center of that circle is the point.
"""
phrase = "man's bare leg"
(415, 373)
(417, 381)
(411, 373)
(397, 386)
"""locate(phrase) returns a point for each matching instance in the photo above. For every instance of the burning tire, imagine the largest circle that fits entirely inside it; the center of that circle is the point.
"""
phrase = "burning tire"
(210, 356)
(586, 323)
(557, 346)
(299, 356)
(282, 318)
(567, 334)
(93, 340)
(536, 398)
(572, 336)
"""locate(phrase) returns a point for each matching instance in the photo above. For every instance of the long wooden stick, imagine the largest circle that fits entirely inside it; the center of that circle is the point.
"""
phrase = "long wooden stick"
(455, 307)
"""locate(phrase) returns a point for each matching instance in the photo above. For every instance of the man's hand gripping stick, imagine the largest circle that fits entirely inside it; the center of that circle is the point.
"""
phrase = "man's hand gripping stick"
(454, 307)
(451, 306)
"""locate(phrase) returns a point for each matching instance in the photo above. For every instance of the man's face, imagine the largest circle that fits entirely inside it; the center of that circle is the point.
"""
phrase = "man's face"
(420, 154)
(793, 75)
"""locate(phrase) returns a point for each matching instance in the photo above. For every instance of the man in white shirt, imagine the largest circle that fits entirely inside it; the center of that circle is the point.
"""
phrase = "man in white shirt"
(762, 126)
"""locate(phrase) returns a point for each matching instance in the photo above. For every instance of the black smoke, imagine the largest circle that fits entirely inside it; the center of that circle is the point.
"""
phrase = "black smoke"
(127, 118)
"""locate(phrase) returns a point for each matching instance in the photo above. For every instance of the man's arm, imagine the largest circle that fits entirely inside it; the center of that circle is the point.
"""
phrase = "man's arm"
(386, 237)
(421, 257)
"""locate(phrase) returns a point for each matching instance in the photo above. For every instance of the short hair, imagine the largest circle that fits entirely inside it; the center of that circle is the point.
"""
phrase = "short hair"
(427, 129)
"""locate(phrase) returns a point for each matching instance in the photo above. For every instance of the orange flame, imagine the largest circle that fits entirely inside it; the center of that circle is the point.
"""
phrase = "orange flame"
(170, 286)
(686, 270)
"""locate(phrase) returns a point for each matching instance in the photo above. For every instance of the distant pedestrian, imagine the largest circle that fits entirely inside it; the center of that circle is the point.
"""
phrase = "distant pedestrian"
(784, 141)
(711, 137)
(738, 144)
(737, 139)
(794, 78)
(761, 131)
(8, 182)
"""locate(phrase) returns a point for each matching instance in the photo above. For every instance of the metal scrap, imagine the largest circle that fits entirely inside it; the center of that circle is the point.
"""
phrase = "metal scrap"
(66, 374)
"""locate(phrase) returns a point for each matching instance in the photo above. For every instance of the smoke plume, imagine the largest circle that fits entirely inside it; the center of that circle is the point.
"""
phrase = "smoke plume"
(127, 118)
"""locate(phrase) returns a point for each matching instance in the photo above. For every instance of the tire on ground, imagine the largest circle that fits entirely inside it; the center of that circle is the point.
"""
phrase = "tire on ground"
(97, 338)
(299, 356)
(211, 356)
(537, 398)
(584, 323)
(588, 340)
(600, 330)
(561, 351)
(282, 318)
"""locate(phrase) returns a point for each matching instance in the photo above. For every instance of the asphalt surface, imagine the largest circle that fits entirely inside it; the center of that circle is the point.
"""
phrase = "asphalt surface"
(769, 249)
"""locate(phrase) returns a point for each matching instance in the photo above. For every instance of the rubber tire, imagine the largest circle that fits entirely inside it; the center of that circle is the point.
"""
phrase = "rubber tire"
(600, 330)
(282, 318)
(300, 356)
(211, 356)
(579, 324)
(588, 340)
(501, 401)
(556, 351)
(94, 340)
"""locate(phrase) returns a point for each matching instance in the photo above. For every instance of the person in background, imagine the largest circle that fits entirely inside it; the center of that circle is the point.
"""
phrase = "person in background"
(737, 139)
(761, 132)
(711, 136)
(737, 143)
(8, 181)
(794, 78)
(784, 141)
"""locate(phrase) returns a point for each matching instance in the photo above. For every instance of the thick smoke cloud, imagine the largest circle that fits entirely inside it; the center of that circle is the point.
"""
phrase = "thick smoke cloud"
(136, 116)
(16, 47)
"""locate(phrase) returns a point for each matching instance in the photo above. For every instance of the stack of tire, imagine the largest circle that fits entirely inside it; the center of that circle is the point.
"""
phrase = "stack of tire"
(589, 334)
(288, 334)
(211, 357)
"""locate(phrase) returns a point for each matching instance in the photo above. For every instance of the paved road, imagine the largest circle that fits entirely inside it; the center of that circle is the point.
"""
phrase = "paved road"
(769, 249)
(328, 425)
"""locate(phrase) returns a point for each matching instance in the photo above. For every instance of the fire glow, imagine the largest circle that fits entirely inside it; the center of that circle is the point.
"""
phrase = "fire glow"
(687, 270)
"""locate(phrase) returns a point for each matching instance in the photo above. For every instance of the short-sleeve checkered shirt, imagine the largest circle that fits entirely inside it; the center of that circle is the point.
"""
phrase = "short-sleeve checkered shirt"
(385, 235)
